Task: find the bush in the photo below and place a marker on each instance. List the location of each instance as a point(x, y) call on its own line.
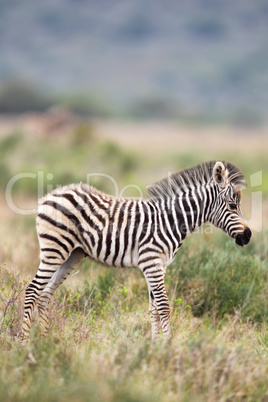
point(222, 281)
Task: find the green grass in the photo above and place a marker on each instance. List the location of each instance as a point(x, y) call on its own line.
point(70, 157)
point(200, 368)
point(65, 160)
point(223, 280)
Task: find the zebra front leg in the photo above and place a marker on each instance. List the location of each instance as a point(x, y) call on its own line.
point(154, 274)
point(155, 318)
point(57, 279)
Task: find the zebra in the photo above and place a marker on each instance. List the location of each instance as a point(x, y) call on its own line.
point(78, 221)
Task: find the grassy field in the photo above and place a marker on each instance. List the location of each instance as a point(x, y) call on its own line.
point(99, 347)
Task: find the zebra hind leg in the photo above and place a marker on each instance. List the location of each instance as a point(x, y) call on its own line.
point(32, 294)
point(57, 279)
point(42, 287)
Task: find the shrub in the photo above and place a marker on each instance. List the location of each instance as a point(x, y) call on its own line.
point(222, 281)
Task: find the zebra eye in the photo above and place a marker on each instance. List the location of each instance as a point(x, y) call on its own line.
point(232, 206)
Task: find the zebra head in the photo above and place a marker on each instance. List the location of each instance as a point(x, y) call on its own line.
point(226, 212)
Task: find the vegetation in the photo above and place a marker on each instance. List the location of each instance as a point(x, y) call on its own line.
point(222, 280)
point(18, 96)
point(99, 346)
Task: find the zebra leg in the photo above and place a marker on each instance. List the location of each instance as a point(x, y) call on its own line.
point(57, 279)
point(32, 294)
point(159, 302)
point(155, 318)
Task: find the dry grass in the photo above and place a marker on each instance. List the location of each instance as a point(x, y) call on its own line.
point(103, 351)
point(110, 357)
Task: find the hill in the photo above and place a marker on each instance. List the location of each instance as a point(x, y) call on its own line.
point(175, 58)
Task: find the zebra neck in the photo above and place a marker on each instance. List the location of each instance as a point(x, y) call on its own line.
point(188, 210)
point(212, 192)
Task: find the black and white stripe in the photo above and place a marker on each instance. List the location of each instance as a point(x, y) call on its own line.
point(78, 221)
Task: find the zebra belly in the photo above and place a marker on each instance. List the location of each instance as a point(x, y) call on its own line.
point(113, 255)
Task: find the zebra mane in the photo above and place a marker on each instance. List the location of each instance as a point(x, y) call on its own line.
point(194, 177)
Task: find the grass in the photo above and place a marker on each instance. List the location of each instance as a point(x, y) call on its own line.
point(224, 280)
point(99, 346)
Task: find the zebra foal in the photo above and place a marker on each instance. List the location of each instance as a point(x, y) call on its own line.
point(79, 221)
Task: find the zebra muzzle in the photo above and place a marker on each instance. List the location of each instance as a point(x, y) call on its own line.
point(243, 238)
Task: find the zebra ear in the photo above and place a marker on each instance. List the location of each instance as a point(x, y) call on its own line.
point(220, 174)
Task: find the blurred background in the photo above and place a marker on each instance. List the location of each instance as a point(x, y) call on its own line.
point(129, 89)
point(198, 61)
